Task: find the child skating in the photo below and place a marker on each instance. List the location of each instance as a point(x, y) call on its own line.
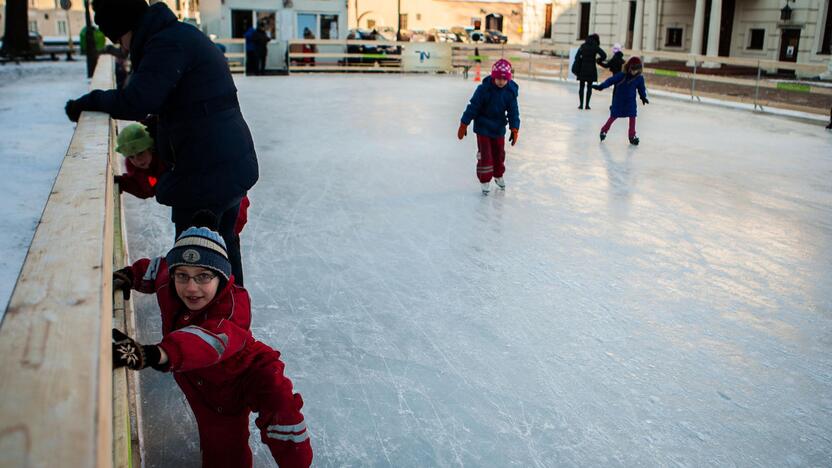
point(627, 84)
point(224, 372)
point(493, 105)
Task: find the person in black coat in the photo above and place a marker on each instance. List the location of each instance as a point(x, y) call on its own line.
point(584, 67)
point(616, 62)
point(179, 75)
point(261, 42)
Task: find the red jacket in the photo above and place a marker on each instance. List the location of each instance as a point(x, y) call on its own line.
point(216, 361)
point(142, 184)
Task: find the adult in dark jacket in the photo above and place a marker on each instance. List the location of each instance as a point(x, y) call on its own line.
point(584, 67)
point(261, 42)
point(616, 62)
point(251, 51)
point(182, 77)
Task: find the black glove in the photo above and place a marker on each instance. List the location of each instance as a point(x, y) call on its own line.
point(123, 279)
point(597, 87)
point(73, 110)
point(127, 352)
point(645, 101)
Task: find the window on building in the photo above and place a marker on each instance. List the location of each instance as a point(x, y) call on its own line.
point(371, 24)
point(403, 21)
point(329, 26)
point(583, 32)
point(418, 17)
point(33, 26)
point(61, 27)
point(826, 45)
point(756, 39)
point(307, 22)
point(547, 33)
point(674, 37)
point(476, 23)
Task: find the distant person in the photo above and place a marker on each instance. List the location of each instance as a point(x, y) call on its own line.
point(261, 47)
point(207, 345)
point(627, 84)
point(179, 75)
point(616, 62)
point(251, 51)
point(308, 48)
point(585, 67)
point(493, 105)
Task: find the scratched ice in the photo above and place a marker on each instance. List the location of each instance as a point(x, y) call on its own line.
point(616, 306)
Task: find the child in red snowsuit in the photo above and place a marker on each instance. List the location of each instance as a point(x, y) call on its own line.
point(207, 344)
point(493, 105)
point(143, 168)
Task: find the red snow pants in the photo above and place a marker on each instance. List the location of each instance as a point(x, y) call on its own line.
point(631, 131)
point(491, 157)
point(223, 430)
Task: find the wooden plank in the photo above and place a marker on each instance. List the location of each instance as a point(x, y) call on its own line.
point(340, 55)
point(230, 40)
point(55, 364)
point(350, 69)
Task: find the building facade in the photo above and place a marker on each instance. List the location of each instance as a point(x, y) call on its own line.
point(519, 20)
point(786, 30)
point(284, 19)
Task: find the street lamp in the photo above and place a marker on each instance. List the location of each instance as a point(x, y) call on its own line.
point(786, 12)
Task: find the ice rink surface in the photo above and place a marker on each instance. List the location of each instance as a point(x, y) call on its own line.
point(660, 305)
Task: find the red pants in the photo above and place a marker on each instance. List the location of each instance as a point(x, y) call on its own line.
point(632, 131)
point(491, 157)
point(223, 430)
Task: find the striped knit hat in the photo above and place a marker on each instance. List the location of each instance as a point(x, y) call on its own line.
point(200, 247)
point(501, 69)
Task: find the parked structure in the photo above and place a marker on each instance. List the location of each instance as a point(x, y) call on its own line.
point(286, 19)
point(786, 30)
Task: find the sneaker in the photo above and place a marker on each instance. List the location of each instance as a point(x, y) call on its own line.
point(603, 136)
point(500, 183)
point(486, 187)
point(634, 141)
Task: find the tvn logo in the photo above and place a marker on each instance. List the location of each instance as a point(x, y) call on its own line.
point(422, 55)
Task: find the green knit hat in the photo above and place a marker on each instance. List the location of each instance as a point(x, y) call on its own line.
point(133, 140)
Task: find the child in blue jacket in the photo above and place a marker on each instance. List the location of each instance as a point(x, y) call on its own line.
point(493, 105)
point(627, 83)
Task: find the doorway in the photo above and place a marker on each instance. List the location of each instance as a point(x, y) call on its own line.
point(547, 33)
point(789, 42)
point(726, 27)
point(241, 21)
point(583, 27)
point(631, 25)
point(494, 21)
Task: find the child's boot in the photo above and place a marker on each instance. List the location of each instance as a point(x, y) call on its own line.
point(634, 140)
point(500, 183)
point(486, 187)
point(603, 136)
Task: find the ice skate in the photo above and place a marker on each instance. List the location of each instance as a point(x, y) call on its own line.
point(486, 187)
point(500, 183)
point(603, 136)
point(634, 141)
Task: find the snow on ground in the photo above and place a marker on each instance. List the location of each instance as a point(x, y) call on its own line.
point(35, 135)
point(665, 305)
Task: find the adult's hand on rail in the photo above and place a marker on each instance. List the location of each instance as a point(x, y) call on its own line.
point(73, 110)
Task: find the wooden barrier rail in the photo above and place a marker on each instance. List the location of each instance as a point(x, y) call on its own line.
point(56, 377)
point(236, 60)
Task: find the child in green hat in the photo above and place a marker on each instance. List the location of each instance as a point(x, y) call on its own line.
point(143, 168)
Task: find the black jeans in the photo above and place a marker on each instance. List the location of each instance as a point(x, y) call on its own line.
point(227, 216)
point(588, 85)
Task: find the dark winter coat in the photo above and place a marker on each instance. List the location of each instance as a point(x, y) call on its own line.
point(491, 108)
point(615, 63)
point(261, 42)
point(585, 61)
point(624, 95)
point(180, 75)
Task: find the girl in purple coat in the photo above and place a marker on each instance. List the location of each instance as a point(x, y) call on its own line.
point(627, 84)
